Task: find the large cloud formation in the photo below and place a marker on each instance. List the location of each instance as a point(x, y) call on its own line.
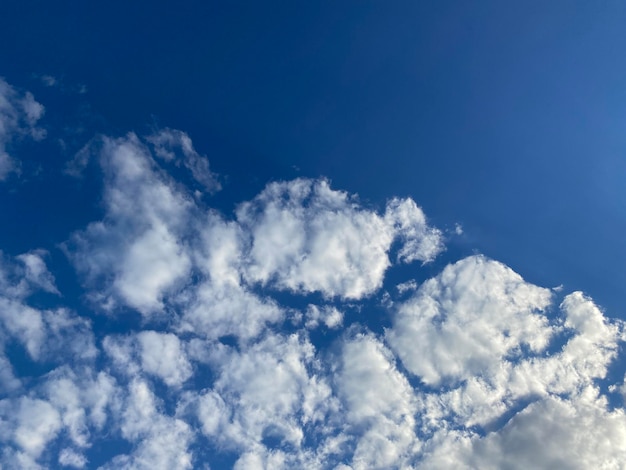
point(226, 369)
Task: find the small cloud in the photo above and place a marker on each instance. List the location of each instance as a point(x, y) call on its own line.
point(19, 114)
point(407, 286)
point(70, 458)
point(328, 315)
point(49, 80)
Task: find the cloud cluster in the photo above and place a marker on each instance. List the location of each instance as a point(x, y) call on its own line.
point(19, 113)
point(245, 356)
point(301, 236)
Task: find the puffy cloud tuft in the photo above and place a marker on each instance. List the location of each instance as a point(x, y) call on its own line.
point(307, 237)
point(158, 354)
point(467, 320)
point(136, 251)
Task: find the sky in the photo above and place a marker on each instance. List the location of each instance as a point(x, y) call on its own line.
point(347, 235)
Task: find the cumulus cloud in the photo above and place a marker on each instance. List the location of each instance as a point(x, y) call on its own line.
point(240, 348)
point(157, 354)
point(19, 113)
point(70, 458)
point(473, 356)
point(37, 422)
point(577, 433)
point(498, 389)
point(45, 334)
point(269, 394)
point(379, 403)
point(328, 315)
point(220, 304)
point(467, 320)
point(136, 251)
point(161, 441)
point(307, 237)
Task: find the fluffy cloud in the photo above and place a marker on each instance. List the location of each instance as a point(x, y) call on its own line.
point(44, 333)
point(307, 237)
point(467, 320)
point(269, 394)
point(220, 304)
point(157, 354)
point(497, 388)
point(153, 238)
point(160, 441)
point(379, 403)
point(577, 433)
point(136, 251)
point(68, 406)
point(71, 458)
point(477, 369)
point(329, 315)
point(19, 113)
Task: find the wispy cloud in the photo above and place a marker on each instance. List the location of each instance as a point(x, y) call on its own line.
point(19, 114)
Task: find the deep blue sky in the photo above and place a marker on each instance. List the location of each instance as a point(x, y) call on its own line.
point(250, 324)
point(505, 117)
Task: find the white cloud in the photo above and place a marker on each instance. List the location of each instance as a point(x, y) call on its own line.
point(472, 329)
point(307, 237)
point(379, 404)
point(219, 305)
point(47, 335)
point(136, 251)
point(44, 334)
point(70, 458)
point(484, 399)
point(419, 241)
point(67, 407)
point(221, 310)
point(8, 381)
point(23, 323)
point(19, 114)
point(158, 354)
point(326, 314)
point(161, 441)
point(151, 241)
point(267, 398)
point(37, 273)
point(167, 142)
point(36, 422)
point(408, 286)
point(25, 274)
point(577, 433)
point(497, 375)
point(83, 399)
point(163, 356)
point(269, 389)
point(467, 320)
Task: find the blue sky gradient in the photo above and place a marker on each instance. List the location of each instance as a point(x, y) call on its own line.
point(319, 190)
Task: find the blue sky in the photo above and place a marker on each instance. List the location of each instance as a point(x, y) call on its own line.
point(358, 235)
